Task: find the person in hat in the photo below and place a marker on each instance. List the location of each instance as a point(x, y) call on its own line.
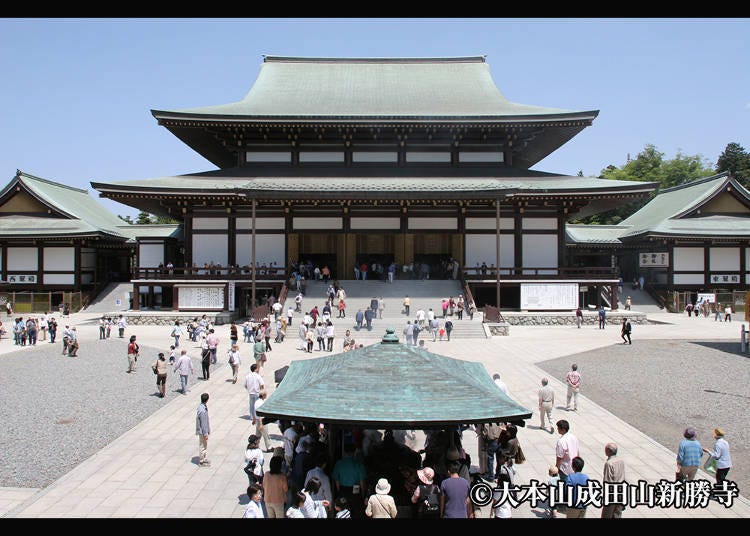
point(721, 454)
point(380, 504)
point(426, 495)
point(254, 460)
point(689, 454)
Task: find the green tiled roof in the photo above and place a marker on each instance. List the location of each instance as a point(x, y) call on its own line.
point(672, 202)
point(593, 234)
point(663, 216)
point(221, 181)
point(87, 216)
point(30, 226)
point(376, 88)
point(154, 230)
point(390, 385)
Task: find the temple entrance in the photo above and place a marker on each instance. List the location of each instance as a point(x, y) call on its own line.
point(317, 250)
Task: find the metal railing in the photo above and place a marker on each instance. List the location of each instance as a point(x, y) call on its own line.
point(491, 314)
point(527, 272)
point(276, 273)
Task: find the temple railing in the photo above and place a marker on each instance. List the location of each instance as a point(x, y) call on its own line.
point(526, 272)
point(276, 273)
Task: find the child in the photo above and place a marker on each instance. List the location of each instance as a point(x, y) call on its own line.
point(171, 355)
point(554, 478)
point(342, 508)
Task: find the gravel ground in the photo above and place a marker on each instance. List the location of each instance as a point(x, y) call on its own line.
point(663, 386)
point(58, 410)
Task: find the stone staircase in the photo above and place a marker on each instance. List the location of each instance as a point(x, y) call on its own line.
point(423, 294)
point(106, 301)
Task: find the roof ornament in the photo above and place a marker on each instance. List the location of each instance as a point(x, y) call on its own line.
point(390, 336)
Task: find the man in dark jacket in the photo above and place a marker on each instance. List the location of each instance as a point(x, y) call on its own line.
point(369, 315)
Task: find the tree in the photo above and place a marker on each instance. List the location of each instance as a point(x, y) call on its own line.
point(126, 219)
point(143, 218)
point(736, 160)
point(649, 166)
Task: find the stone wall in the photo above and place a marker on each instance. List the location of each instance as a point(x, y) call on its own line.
point(614, 318)
point(501, 329)
point(167, 318)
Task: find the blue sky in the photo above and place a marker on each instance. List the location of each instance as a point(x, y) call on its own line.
point(77, 93)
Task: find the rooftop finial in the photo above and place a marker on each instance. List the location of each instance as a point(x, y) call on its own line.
point(390, 336)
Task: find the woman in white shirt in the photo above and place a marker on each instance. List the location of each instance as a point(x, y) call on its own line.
point(254, 507)
point(234, 361)
point(253, 452)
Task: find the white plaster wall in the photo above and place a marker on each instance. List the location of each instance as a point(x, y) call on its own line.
point(318, 156)
point(317, 223)
point(539, 251)
point(724, 259)
point(210, 223)
point(23, 258)
point(433, 223)
point(483, 248)
point(427, 156)
point(208, 248)
point(687, 259)
point(540, 223)
point(58, 279)
point(375, 223)
point(58, 259)
point(150, 255)
point(487, 156)
point(489, 223)
point(380, 156)
point(688, 279)
point(268, 156)
point(260, 223)
point(268, 248)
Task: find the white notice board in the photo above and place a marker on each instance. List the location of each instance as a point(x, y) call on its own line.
point(549, 296)
point(203, 298)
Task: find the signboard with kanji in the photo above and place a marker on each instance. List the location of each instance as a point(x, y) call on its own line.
point(655, 260)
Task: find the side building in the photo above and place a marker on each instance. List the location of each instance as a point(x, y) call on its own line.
point(58, 244)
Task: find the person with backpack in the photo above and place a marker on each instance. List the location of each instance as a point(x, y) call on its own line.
point(625, 331)
point(426, 497)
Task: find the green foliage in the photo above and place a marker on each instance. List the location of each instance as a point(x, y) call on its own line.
point(126, 219)
point(736, 160)
point(649, 166)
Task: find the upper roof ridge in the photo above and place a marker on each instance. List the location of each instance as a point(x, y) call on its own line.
point(431, 59)
point(20, 173)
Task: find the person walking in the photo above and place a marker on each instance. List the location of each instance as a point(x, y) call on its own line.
point(369, 315)
point(602, 317)
point(185, 367)
point(103, 328)
point(565, 450)
point(381, 307)
point(407, 305)
point(160, 369)
point(254, 384)
point(546, 397)
point(176, 333)
point(728, 313)
point(689, 455)
point(625, 331)
point(73, 343)
point(628, 303)
point(330, 334)
point(31, 331)
point(212, 339)
point(720, 453)
point(573, 380)
point(202, 430)
point(254, 460)
point(579, 317)
point(260, 429)
point(259, 353)
point(52, 328)
point(133, 351)
point(205, 359)
point(448, 328)
point(359, 318)
point(614, 472)
point(233, 356)
point(408, 334)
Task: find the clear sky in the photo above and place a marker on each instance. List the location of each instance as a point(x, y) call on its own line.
point(76, 94)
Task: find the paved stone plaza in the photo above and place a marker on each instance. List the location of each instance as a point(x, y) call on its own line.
point(145, 466)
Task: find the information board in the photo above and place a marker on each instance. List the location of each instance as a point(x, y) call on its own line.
point(203, 298)
point(549, 296)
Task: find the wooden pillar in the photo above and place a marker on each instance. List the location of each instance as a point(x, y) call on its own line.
point(232, 239)
point(613, 288)
point(136, 297)
point(252, 258)
point(188, 241)
point(518, 238)
point(151, 298)
point(497, 252)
